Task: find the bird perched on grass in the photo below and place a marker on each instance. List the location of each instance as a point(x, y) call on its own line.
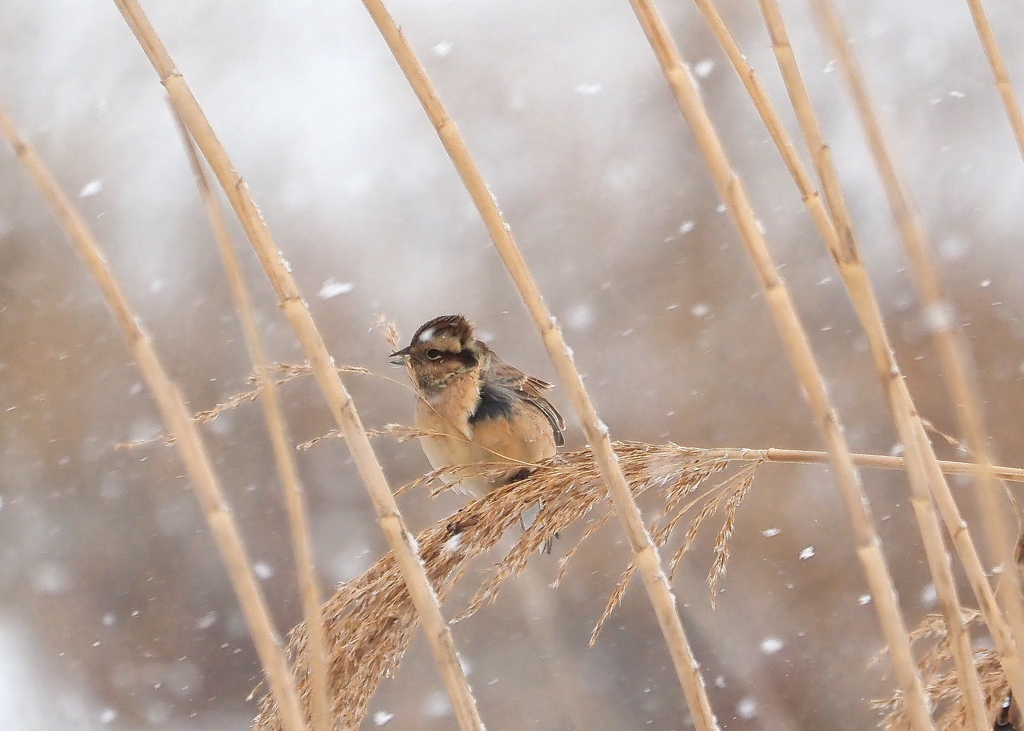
point(474, 407)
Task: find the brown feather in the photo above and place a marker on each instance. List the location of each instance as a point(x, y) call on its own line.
point(532, 390)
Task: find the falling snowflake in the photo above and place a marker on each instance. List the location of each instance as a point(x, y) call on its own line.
point(382, 717)
point(107, 715)
point(91, 188)
point(333, 288)
point(747, 708)
point(703, 68)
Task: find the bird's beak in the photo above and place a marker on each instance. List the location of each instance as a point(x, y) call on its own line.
point(399, 356)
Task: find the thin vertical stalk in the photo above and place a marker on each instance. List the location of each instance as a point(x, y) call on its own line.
point(954, 352)
point(284, 453)
point(845, 257)
point(645, 552)
point(842, 243)
point(1002, 76)
point(342, 407)
point(797, 346)
point(174, 412)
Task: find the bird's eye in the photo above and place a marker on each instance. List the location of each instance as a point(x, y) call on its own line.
point(434, 354)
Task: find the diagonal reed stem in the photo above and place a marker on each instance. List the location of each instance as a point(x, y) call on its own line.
point(956, 362)
point(284, 454)
point(797, 346)
point(342, 407)
point(645, 552)
point(843, 245)
point(174, 412)
point(847, 256)
point(1002, 76)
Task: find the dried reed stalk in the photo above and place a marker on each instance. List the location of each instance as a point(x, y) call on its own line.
point(645, 552)
point(957, 366)
point(1002, 76)
point(842, 243)
point(847, 255)
point(174, 412)
point(369, 622)
point(795, 340)
point(341, 404)
point(284, 453)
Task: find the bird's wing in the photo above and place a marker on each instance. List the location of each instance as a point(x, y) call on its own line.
point(531, 390)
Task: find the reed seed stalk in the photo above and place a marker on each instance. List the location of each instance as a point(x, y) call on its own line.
point(957, 366)
point(842, 243)
point(847, 256)
point(284, 453)
point(342, 407)
point(1002, 76)
point(645, 552)
point(797, 346)
point(174, 412)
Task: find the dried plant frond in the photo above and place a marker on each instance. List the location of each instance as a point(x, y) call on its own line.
point(204, 417)
point(934, 625)
point(451, 477)
point(723, 492)
point(710, 508)
point(594, 526)
point(291, 371)
point(370, 621)
point(945, 691)
point(940, 678)
point(613, 601)
point(294, 370)
point(721, 548)
point(400, 432)
point(672, 513)
point(304, 446)
point(388, 328)
point(650, 468)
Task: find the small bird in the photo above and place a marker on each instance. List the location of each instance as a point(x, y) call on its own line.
point(476, 407)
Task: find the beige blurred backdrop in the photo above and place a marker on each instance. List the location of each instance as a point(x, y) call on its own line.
point(115, 612)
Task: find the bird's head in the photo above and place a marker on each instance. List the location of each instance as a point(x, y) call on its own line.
point(440, 350)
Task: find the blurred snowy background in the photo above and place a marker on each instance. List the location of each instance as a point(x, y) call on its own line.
point(115, 612)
